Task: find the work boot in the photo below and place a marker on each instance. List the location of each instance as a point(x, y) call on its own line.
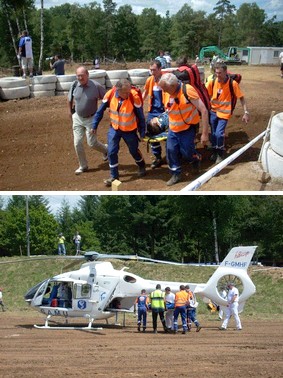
point(139, 328)
point(214, 156)
point(144, 328)
point(142, 171)
point(108, 182)
point(173, 180)
point(156, 163)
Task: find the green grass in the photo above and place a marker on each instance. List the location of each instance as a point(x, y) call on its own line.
point(17, 278)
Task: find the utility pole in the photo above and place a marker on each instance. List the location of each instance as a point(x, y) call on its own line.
point(27, 227)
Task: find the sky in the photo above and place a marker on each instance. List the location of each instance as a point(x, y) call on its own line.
point(271, 7)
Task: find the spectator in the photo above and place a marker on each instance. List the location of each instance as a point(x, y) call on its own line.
point(170, 305)
point(155, 106)
point(58, 65)
point(168, 59)
point(1, 300)
point(84, 94)
point(96, 63)
point(142, 304)
point(162, 59)
point(197, 61)
point(181, 299)
point(232, 307)
point(25, 54)
point(126, 115)
point(61, 245)
point(77, 241)
point(191, 310)
point(183, 121)
point(221, 108)
point(157, 304)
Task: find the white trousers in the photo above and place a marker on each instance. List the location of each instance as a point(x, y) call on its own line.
point(83, 126)
point(169, 317)
point(232, 310)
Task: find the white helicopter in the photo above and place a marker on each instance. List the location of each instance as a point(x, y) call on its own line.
point(97, 291)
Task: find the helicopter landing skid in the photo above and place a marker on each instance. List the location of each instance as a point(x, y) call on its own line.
point(88, 328)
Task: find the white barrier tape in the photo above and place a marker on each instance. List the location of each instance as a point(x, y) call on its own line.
point(194, 185)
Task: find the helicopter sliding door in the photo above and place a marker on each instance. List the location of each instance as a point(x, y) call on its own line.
point(81, 296)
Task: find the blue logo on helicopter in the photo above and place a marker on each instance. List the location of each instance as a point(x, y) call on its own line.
point(81, 304)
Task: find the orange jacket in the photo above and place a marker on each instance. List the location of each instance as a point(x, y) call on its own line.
point(181, 298)
point(221, 99)
point(182, 114)
point(122, 115)
point(149, 84)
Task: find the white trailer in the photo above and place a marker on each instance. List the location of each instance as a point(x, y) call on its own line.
point(264, 55)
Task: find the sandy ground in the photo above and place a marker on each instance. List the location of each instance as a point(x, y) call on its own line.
point(119, 352)
point(37, 152)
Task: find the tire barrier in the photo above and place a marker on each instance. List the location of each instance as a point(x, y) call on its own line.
point(43, 86)
point(112, 77)
point(276, 134)
point(138, 76)
point(99, 76)
point(13, 87)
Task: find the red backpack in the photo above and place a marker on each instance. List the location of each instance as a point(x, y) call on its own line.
point(190, 75)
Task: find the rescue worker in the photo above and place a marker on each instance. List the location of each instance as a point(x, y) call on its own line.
point(191, 310)
point(232, 307)
point(155, 105)
point(157, 305)
point(181, 300)
point(142, 305)
point(126, 117)
point(183, 121)
point(221, 108)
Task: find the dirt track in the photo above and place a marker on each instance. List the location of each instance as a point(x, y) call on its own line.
point(37, 152)
point(118, 352)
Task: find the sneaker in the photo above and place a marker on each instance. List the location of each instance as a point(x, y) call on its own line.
point(108, 182)
point(198, 328)
point(219, 159)
point(156, 163)
point(213, 157)
point(222, 329)
point(81, 170)
point(239, 329)
point(105, 156)
point(173, 180)
point(142, 171)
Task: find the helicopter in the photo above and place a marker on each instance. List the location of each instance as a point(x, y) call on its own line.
point(97, 291)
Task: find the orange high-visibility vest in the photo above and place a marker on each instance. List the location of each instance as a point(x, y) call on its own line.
point(182, 114)
point(122, 114)
point(221, 98)
point(149, 84)
point(181, 298)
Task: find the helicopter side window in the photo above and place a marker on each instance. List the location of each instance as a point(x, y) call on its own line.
point(82, 291)
point(129, 279)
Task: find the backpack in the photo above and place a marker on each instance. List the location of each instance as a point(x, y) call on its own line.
point(190, 75)
point(232, 77)
point(131, 97)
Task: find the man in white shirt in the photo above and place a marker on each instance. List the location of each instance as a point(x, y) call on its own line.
point(25, 53)
point(170, 304)
point(232, 307)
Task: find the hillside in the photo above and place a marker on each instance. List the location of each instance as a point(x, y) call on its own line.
point(18, 277)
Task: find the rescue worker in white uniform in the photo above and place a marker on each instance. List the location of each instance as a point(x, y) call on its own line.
point(232, 307)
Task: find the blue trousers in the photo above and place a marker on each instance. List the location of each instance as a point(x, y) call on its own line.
point(142, 315)
point(218, 126)
point(191, 317)
point(132, 141)
point(180, 310)
point(180, 145)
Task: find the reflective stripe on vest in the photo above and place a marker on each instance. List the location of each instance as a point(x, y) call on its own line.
point(124, 118)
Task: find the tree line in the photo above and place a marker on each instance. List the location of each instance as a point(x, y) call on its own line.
point(177, 228)
point(80, 33)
